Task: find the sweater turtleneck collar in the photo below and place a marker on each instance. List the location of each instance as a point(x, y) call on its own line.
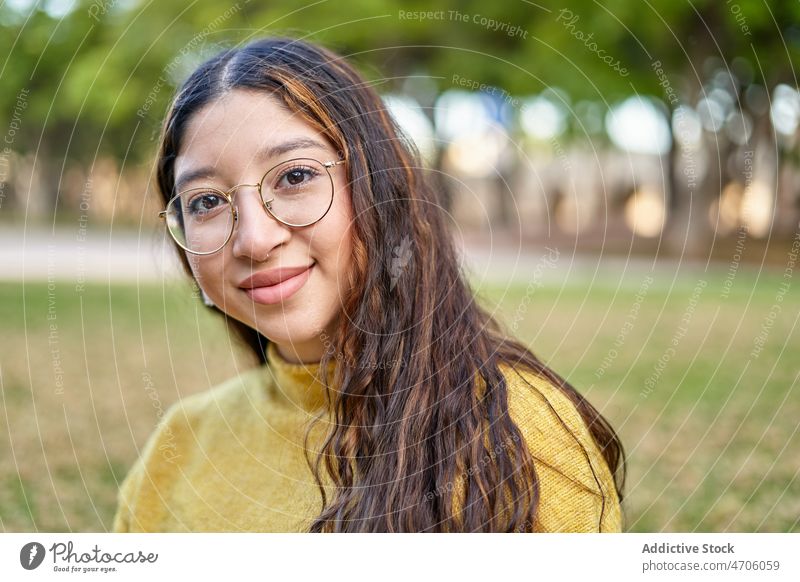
point(301, 384)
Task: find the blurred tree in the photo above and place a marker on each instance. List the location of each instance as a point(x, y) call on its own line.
point(99, 74)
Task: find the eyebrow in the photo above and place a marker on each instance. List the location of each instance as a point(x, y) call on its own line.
point(263, 154)
point(288, 146)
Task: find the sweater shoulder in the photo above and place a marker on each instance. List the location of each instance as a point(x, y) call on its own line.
point(249, 387)
point(576, 485)
point(187, 421)
point(186, 427)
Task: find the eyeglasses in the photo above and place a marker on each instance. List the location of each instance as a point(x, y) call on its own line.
point(296, 192)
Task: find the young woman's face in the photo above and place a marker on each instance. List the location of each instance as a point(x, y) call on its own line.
point(299, 314)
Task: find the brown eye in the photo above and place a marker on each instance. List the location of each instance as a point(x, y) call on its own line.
point(296, 178)
point(205, 203)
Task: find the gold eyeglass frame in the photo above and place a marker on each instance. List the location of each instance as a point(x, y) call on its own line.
point(228, 195)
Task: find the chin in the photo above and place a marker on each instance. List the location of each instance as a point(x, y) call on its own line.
point(289, 330)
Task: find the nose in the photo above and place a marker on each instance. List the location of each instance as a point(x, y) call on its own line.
point(256, 232)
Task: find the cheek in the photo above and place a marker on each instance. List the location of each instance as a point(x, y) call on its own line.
point(341, 244)
point(332, 246)
point(207, 272)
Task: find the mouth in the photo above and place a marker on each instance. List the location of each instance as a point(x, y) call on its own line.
point(279, 292)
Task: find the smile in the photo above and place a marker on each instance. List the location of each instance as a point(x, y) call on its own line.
point(272, 294)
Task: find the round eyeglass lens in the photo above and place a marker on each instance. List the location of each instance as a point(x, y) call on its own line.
point(200, 220)
point(298, 192)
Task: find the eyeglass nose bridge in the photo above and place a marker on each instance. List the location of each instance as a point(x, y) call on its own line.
point(231, 191)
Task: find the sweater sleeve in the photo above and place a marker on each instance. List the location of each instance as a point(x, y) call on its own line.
point(576, 487)
point(127, 490)
point(142, 499)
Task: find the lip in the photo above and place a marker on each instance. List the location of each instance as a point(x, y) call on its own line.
point(276, 285)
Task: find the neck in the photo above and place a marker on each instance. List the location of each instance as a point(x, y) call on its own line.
point(312, 350)
point(301, 353)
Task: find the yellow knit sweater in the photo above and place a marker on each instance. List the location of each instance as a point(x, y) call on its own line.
point(231, 458)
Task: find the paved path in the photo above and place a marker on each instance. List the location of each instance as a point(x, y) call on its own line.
point(36, 254)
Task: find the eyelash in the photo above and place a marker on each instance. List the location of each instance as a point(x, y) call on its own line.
point(311, 172)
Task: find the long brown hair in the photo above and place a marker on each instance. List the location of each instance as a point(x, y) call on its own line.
point(420, 397)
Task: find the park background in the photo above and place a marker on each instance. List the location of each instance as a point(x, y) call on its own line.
point(622, 178)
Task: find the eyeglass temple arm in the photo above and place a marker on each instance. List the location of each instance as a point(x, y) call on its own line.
point(330, 164)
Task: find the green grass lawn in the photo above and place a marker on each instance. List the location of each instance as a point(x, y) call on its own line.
point(711, 432)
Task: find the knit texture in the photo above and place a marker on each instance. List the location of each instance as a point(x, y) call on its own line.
point(232, 458)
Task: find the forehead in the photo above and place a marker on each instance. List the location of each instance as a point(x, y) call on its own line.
point(233, 128)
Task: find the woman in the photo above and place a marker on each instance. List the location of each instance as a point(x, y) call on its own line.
point(387, 400)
